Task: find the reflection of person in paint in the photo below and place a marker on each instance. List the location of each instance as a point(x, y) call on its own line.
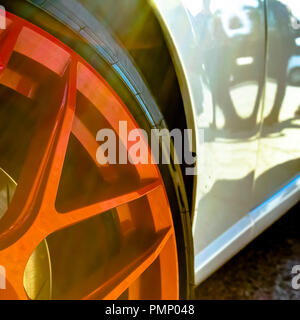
point(235, 32)
point(282, 46)
point(204, 27)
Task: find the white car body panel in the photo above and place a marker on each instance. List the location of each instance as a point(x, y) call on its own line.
point(220, 232)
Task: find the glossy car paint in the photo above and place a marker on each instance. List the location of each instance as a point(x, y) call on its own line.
point(238, 66)
point(279, 150)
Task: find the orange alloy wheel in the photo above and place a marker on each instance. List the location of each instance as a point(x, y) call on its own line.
point(71, 228)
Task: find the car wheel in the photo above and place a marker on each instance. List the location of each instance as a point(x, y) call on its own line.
point(72, 228)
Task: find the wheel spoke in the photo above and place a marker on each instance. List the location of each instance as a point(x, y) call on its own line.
point(9, 42)
point(115, 113)
point(121, 272)
point(56, 162)
point(14, 260)
point(18, 82)
point(88, 141)
point(64, 220)
point(41, 172)
point(118, 283)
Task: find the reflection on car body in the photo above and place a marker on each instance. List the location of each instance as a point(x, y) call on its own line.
point(242, 69)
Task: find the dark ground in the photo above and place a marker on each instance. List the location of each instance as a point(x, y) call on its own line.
point(263, 269)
